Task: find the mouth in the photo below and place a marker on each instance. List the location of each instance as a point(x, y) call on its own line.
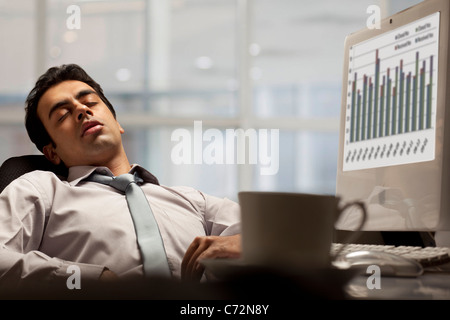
point(90, 127)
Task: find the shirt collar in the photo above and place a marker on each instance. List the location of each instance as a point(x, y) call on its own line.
point(78, 173)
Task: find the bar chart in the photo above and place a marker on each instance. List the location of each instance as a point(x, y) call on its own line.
point(391, 97)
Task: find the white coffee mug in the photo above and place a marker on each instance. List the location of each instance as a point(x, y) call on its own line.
point(290, 229)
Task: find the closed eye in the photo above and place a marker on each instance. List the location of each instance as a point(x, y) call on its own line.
point(91, 104)
point(65, 114)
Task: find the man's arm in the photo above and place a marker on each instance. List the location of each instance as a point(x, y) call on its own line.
point(223, 240)
point(22, 224)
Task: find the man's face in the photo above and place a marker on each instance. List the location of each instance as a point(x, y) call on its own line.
point(82, 127)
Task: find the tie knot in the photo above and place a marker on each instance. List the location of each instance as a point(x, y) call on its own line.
point(121, 182)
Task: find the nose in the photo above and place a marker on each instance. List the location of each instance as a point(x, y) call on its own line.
point(83, 111)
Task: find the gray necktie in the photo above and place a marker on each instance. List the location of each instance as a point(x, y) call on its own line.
point(147, 231)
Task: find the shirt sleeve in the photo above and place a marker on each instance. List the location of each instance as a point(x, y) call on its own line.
point(222, 216)
point(23, 210)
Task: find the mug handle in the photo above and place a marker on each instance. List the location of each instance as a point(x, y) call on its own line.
point(357, 232)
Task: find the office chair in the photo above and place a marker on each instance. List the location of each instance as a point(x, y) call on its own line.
point(14, 167)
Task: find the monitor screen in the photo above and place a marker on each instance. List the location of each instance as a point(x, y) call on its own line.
point(393, 151)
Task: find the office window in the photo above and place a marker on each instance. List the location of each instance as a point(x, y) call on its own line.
point(174, 65)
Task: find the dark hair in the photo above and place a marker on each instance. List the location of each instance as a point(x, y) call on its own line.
point(53, 76)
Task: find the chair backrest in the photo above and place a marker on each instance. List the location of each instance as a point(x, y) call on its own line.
point(14, 167)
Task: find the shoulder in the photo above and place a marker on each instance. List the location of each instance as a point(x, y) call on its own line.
point(43, 181)
point(36, 188)
point(185, 191)
point(200, 199)
point(41, 175)
point(188, 194)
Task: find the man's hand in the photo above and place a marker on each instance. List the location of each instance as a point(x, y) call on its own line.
point(208, 247)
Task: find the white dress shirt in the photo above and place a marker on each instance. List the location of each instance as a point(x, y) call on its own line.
point(48, 224)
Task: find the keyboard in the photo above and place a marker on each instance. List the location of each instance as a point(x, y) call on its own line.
point(426, 256)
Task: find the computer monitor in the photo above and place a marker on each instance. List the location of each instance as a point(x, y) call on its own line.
point(394, 129)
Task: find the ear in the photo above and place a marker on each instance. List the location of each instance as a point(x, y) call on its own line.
point(51, 155)
point(121, 130)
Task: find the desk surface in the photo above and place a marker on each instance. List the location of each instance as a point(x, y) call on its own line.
point(260, 284)
point(429, 286)
point(433, 284)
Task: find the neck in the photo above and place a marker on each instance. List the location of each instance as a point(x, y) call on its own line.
point(119, 165)
point(116, 161)
point(120, 168)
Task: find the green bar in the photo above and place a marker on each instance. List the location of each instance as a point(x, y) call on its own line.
point(388, 105)
point(422, 97)
point(428, 116)
point(429, 97)
point(381, 108)
point(401, 95)
point(353, 112)
point(394, 103)
point(414, 106)
point(407, 105)
point(358, 117)
point(369, 121)
point(415, 88)
point(363, 118)
point(375, 108)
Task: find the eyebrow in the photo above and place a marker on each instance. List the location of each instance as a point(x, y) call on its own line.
point(62, 103)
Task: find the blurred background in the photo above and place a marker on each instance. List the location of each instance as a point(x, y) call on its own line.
point(163, 64)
